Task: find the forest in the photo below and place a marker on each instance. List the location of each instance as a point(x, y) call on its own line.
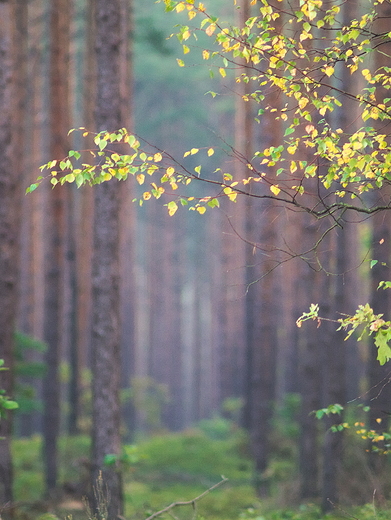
point(195, 239)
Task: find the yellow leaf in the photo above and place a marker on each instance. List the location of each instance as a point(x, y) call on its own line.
point(323, 110)
point(172, 207)
point(210, 152)
point(210, 29)
point(193, 151)
point(329, 70)
point(181, 63)
point(157, 157)
point(230, 193)
point(140, 178)
point(222, 72)
point(201, 210)
point(293, 168)
point(185, 49)
point(205, 55)
point(180, 7)
point(170, 170)
point(275, 189)
point(146, 195)
point(303, 102)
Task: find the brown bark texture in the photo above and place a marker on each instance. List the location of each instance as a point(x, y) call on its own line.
point(10, 200)
point(105, 267)
point(55, 237)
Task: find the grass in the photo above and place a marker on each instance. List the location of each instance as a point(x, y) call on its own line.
point(168, 468)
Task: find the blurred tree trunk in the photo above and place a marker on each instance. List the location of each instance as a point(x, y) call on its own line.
point(55, 236)
point(106, 358)
point(128, 218)
point(231, 347)
point(309, 363)
point(337, 262)
point(333, 352)
point(31, 293)
point(19, 162)
point(379, 377)
point(261, 301)
point(11, 122)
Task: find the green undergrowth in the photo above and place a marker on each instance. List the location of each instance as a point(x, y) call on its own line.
point(172, 467)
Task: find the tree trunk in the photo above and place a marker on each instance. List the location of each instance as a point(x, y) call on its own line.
point(106, 359)
point(55, 234)
point(379, 376)
point(9, 238)
point(332, 348)
point(309, 366)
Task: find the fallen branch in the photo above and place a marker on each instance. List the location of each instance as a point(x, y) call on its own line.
point(187, 502)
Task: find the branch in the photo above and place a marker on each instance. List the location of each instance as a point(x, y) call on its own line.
point(188, 502)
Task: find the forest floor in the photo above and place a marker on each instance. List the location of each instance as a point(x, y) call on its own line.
point(166, 468)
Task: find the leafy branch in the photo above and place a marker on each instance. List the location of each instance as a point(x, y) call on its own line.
point(363, 322)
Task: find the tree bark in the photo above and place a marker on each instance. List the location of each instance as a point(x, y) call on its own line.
point(10, 200)
point(55, 236)
point(106, 359)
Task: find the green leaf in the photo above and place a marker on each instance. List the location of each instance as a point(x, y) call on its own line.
point(102, 144)
point(75, 154)
point(79, 180)
point(381, 341)
point(9, 405)
point(31, 188)
point(110, 459)
point(214, 203)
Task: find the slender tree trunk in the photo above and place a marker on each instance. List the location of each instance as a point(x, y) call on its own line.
point(261, 308)
point(332, 349)
point(309, 367)
point(106, 357)
point(380, 376)
point(55, 233)
point(9, 234)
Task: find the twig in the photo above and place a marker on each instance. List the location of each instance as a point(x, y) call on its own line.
point(188, 502)
point(348, 515)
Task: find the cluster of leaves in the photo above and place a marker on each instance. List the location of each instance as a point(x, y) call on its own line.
point(379, 441)
point(5, 402)
point(141, 163)
point(363, 322)
point(278, 48)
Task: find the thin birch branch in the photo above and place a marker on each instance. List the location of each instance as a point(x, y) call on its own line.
point(188, 502)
